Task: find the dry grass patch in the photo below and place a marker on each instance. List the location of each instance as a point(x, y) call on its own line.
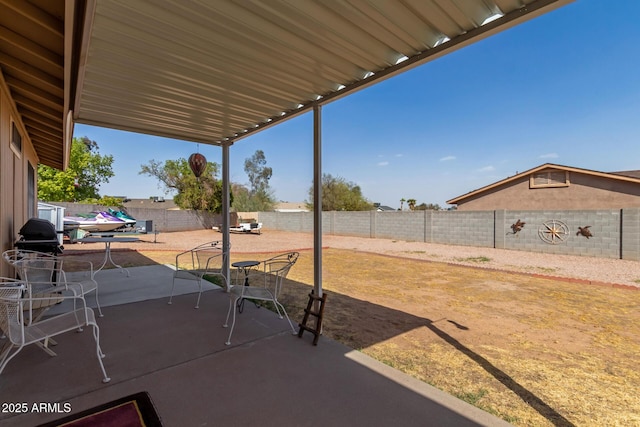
point(532, 351)
point(477, 259)
point(535, 352)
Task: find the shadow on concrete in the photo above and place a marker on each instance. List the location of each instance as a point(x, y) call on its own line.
point(267, 377)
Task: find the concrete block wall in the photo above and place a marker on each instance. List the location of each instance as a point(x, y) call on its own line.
point(472, 228)
point(289, 221)
point(399, 225)
point(604, 227)
point(631, 235)
point(615, 233)
point(499, 224)
point(167, 221)
point(350, 223)
point(163, 220)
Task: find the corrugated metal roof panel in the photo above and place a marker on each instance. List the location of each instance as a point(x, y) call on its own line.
point(206, 71)
point(213, 70)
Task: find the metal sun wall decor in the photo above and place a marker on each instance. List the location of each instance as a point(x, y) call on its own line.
point(197, 163)
point(553, 232)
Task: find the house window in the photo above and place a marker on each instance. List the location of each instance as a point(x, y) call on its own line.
point(549, 178)
point(16, 139)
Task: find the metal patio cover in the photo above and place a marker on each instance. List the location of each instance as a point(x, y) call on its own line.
point(209, 70)
point(218, 70)
point(215, 71)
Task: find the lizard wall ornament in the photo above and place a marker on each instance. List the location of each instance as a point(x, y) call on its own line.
point(517, 226)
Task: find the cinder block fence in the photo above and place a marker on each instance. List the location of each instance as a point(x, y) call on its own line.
point(608, 233)
point(163, 220)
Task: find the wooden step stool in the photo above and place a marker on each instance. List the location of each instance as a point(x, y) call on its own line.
point(317, 314)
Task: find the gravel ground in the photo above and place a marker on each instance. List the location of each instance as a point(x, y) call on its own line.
point(589, 269)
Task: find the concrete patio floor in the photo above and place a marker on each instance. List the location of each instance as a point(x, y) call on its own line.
point(177, 354)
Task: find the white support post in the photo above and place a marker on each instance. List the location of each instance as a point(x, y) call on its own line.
point(317, 200)
point(226, 207)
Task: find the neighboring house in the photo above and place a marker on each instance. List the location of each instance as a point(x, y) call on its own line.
point(556, 187)
point(382, 208)
point(150, 203)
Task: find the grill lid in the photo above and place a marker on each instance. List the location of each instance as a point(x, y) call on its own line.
point(38, 229)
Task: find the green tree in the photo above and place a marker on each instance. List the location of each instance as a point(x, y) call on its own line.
point(116, 202)
point(427, 207)
point(258, 172)
point(259, 196)
point(81, 180)
point(241, 198)
point(411, 203)
point(200, 194)
point(339, 194)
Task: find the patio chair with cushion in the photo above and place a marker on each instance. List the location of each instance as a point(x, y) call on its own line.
point(201, 263)
point(15, 301)
point(263, 285)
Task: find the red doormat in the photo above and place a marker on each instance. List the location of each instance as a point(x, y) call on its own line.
point(136, 410)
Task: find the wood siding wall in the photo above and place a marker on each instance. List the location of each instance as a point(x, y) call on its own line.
point(13, 175)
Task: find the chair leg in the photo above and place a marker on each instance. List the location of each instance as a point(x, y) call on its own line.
point(6, 356)
point(99, 353)
point(79, 322)
point(199, 293)
point(173, 285)
point(275, 304)
point(98, 303)
point(45, 347)
point(4, 351)
point(75, 310)
point(287, 316)
point(232, 303)
point(226, 321)
point(96, 337)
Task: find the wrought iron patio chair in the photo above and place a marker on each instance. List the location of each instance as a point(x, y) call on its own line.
point(12, 256)
point(263, 285)
point(14, 302)
point(46, 275)
point(203, 262)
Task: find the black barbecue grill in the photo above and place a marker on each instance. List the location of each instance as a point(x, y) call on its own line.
point(39, 235)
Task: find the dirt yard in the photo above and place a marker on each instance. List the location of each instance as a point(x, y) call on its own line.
point(483, 325)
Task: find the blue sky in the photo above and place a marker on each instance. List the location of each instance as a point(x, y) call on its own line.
point(562, 88)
